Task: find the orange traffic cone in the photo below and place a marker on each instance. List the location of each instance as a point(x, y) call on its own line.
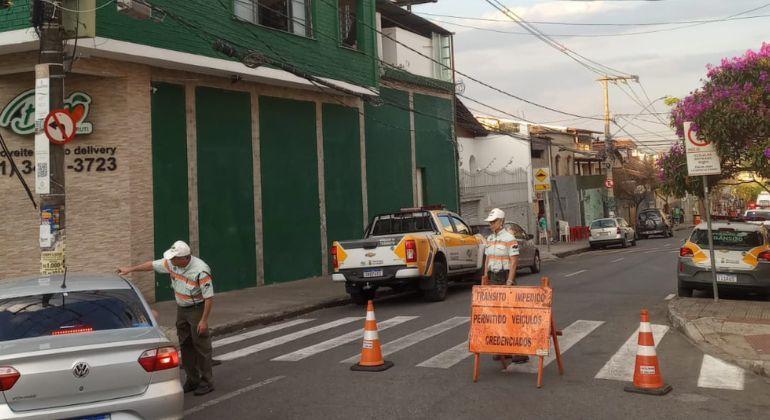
point(647, 376)
point(371, 354)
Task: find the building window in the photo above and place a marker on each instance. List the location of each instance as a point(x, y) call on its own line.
point(349, 23)
point(537, 154)
point(286, 15)
point(569, 165)
point(556, 162)
point(442, 54)
point(473, 166)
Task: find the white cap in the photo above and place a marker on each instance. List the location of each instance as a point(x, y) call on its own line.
point(179, 249)
point(494, 215)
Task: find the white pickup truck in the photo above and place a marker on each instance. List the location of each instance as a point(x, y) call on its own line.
point(414, 248)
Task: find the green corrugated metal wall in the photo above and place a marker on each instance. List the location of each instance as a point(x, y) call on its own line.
point(290, 207)
point(388, 153)
point(342, 173)
point(169, 174)
point(226, 187)
point(434, 149)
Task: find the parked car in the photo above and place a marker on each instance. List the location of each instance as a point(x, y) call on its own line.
point(529, 255)
point(653, 222)
point(757, 217)
point(611, 231)
point(742, 254)
point(87, 347)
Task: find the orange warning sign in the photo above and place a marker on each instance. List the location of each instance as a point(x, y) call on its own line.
point(514, 320)
point(511, 320)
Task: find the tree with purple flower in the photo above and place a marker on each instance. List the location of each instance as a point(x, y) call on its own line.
point(732, 110)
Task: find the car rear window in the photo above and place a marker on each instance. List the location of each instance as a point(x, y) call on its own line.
point(649, 215)
point(603, 223)
point(70, 312)
point(396, 224)
point(724, 238)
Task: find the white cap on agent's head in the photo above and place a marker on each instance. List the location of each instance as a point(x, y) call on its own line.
point(178, 249)
point(494, 215)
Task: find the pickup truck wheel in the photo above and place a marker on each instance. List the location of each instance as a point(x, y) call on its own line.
point(535, 267)
point(361, 296)
point(440, 283)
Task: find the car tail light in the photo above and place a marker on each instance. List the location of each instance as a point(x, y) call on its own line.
point(618, 231)
point(685, 252)
point(764, 257)
point(8, 377)
point(78, 329)
point(159, 359)
point(411, 251)
point(335, 261)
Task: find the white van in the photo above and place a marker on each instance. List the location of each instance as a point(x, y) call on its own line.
point(763, 200)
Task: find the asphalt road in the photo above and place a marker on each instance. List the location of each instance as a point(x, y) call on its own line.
point(597, 299)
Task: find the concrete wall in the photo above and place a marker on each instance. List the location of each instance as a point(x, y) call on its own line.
point(400, 56)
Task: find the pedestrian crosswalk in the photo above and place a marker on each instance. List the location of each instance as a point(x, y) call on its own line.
point(415, 331)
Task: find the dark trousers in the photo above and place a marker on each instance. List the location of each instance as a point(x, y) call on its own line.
point(498, 278)
point(196, 348)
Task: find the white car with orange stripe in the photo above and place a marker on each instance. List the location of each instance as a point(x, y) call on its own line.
point(741, 253)
point(420, 248)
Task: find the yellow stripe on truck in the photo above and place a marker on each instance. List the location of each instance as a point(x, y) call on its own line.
point(341, 254)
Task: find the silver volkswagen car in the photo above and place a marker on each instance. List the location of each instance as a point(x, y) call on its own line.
point(84, 348)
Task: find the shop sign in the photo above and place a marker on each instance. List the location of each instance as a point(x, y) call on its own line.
point(19, 114)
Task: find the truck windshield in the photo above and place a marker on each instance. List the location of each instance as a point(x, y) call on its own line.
point(401, 223)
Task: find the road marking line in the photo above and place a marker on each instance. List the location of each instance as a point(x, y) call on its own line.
point(669, 297)
point(619, 259)
point(575, 273)
point(338, 341)
point(256, 333)
point(286, 338)
point(715, 373)
point(230, 395)
point(575, 332)
point(416, 337)
point(620, 367)
point(448, 358)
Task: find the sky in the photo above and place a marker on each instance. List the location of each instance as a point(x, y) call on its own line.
point(671, 62)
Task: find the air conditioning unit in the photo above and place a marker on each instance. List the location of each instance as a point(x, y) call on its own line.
point(136, 9)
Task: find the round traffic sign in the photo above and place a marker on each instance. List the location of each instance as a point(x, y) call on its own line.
point(609, 183)
point(59, 126)
point(692, 136)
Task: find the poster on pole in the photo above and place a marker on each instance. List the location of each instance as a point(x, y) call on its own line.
point(42, 147)
point(702, 158)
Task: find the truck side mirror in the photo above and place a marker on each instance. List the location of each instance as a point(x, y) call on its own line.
point(530, 236)
point(474, 230)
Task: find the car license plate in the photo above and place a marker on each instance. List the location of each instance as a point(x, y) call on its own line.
point(96, 417)
point(727, 278)
point(372, 273)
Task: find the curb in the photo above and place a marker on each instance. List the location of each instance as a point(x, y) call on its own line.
point(691, 331)
point(572, 252)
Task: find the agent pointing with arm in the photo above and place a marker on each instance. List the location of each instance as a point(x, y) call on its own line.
point(193, 288)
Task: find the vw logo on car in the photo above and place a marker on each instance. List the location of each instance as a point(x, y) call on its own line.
point(81, 369)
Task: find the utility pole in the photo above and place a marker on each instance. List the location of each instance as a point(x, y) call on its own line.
point(609, 157)
point(49, 158)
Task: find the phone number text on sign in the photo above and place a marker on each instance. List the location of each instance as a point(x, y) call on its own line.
point(86, 159)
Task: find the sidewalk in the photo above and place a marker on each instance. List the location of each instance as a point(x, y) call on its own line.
point(244, 308)
point(734, 330)
point(561, 250)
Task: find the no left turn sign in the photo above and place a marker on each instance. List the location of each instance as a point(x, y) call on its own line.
point(59, 126)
